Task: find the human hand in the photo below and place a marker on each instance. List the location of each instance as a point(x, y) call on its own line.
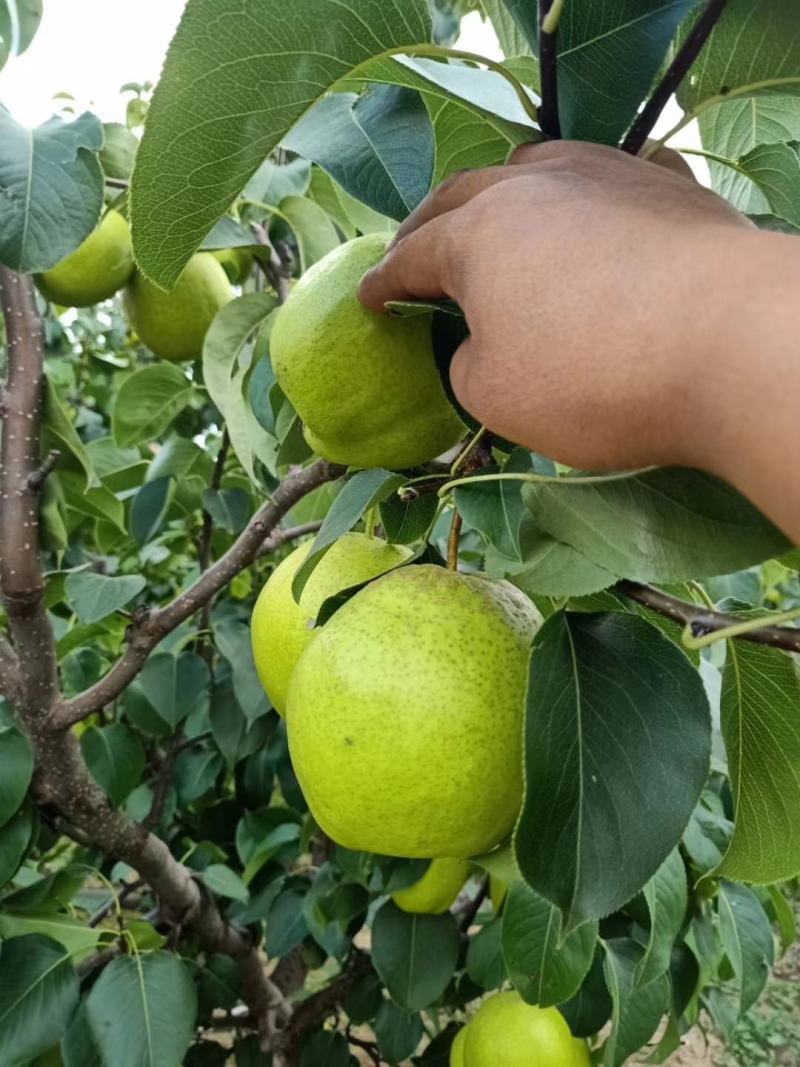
point(597, 288)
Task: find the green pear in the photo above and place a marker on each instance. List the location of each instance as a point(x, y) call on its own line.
point(281, 628)
point(365, 385)
point(236, 262)
point(505, 1030)
point(96, 270)
point(435, 892)
point(174, 325)
point(581, 1054)
point(457, 1048)
point(405, 714)
point(498, 890)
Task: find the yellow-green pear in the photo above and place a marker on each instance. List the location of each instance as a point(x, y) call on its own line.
point(365, 385)
point(498, 889)
point(174, 325)
point(236, 262)
point(281, 628)
point(436, 890)
point(506, 1031)
point(457, 1048)
point(96, 270)
point(582, 1056)
point(405, 714)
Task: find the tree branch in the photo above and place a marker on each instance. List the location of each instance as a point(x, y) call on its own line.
point(548, 71)
point(9, 670)
point(62, 778)
point(702, 620)
point(637, 135)
point(144, 635)
point(21, 581)
point(291, 533)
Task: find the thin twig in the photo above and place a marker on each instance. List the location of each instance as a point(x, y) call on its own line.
point(473, 906)
point(637, 135)
point(204, 553)
point(275, 270)
point(39, 476)
point(127, 891)
point(453, 541)
point(145, 634)
point(549, 120)
point(291, 533)
point(703, 621)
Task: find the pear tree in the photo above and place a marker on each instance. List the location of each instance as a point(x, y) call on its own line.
point(335, 729)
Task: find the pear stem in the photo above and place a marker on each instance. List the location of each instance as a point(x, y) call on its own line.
point(452, 543)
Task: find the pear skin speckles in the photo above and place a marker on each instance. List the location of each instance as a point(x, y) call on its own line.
point(405, 715)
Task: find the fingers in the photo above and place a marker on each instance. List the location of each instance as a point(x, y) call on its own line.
point(416, 268)
point(451, 194)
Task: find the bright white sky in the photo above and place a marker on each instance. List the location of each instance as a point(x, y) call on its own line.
point(89, 48)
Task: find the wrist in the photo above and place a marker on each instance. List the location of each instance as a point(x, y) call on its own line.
point(747, 393)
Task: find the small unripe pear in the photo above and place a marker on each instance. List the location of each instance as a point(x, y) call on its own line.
point(507, 1031)
point(435, 892)
point(457, 1048)
point(281, 628)
point(174, 325)
point(96, 270)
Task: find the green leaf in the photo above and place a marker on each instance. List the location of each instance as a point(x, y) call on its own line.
point(77, 1046)
point(15, 837)
point(735, 128)
point(551, 568)
point(174, 684)
point(97, 503)
point(406, 521)
point(77, 938)
point(148, 402)
point(485, 963)
point(286, 924)
point(227, 353)
point(496, 508)
point(545, 967)
point(149, 508)
point(232, 637)
point(314, 232)
point(52, 189)
point(761, 728)
point(195, 773)
point(464, 139)
point(514, 22)
point(59, 433)
point(415, 955)
point(667, 896)
point(775, 170)
point(599, 40)
point(328, 1047)
point(225, 882)
point(398, 1033)
point(119, 150)
point(747, 940)
point(637, 1012)
point(142, 1011)
point(590, 1009)
point(784, 917)
point(661, 525)
point(379, 147)
point(200, 147)
point(94, 596)
point(16, 770)
point(115, 758)
point(274, 181)
point(29, 15)
point(38, 994)
point(617, 750)
point(754, 48)
point(362, 492)
point(229, 508)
